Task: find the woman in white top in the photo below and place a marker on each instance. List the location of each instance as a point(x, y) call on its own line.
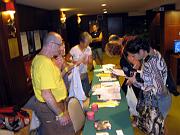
point(81, 55)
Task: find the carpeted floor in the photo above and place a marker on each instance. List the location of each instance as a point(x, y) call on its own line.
point(173, 119)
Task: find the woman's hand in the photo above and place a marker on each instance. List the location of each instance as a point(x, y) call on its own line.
point(137, 64)
point(77, 63)
point(131, 80)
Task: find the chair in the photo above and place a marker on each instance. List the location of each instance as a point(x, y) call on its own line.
point(76, 114)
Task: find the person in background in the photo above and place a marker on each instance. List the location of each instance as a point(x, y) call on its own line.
point(81, 55)
point(155, 103)
point(115, 38)
point(96, 44)
point(49, 88)
point(127, 62)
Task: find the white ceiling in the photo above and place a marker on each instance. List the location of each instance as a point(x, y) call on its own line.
point(94, 6)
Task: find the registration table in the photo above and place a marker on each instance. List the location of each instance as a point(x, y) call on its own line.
point(118, 116)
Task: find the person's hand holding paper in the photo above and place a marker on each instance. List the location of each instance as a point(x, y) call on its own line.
point(118, 72)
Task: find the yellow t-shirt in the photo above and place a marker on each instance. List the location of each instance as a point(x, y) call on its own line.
point(46, 75)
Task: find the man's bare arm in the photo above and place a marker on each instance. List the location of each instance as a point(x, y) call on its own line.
point(51, 102)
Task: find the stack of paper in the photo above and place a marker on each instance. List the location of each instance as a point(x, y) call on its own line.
point(102, 133)
point(107, 71)
point(119, 132)
point(107, 79)
point(96, 86)
point(108, 93)
point(107, 104)
point(110, 84)
point(109, 88)
point(103, 75)
point(108, 66)
point(98, 70)
point(118, 72)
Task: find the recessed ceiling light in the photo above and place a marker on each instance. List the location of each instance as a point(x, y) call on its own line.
point(103, 5)
point(105, 12)
point(104, 9)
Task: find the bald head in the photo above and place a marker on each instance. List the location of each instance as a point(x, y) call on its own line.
point(52, 37)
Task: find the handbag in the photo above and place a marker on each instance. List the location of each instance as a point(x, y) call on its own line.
point(13, 118)
point(132, 101)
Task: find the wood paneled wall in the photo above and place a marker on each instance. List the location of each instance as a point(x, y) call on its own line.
point(13, 84)
point(31, 18)
point(171, 30)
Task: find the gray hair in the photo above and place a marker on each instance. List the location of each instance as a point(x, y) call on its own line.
point(85, 35)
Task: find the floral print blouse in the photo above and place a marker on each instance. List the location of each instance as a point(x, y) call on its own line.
point(154, 73)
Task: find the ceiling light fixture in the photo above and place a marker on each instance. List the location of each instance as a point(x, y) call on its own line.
point(62, 17)
point(6, 1)
point(78, 19)
point(67, 9)
point(103, 5)
point(104, 9)
point(105, 12)
point(9, 9)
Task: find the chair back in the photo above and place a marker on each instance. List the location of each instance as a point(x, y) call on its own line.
point(76, 114)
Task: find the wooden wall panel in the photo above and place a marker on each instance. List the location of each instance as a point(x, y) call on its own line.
point(155, 31)
point(31, 18)
point(172, 18)
point(13, 84)
point(13, 72)
point(171, 31)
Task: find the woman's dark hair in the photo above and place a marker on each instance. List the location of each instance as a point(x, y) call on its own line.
point(135, 45)
point(125, 53)
point(113, 49)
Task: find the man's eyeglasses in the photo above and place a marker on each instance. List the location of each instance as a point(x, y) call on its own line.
point(59, 43)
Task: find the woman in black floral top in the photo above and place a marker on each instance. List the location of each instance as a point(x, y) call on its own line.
point(155, 100)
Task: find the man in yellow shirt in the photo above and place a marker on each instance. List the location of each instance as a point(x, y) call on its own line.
point(49, 88)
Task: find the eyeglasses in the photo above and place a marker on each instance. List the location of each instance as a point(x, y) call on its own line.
point(59, 43)
point(56, 43)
